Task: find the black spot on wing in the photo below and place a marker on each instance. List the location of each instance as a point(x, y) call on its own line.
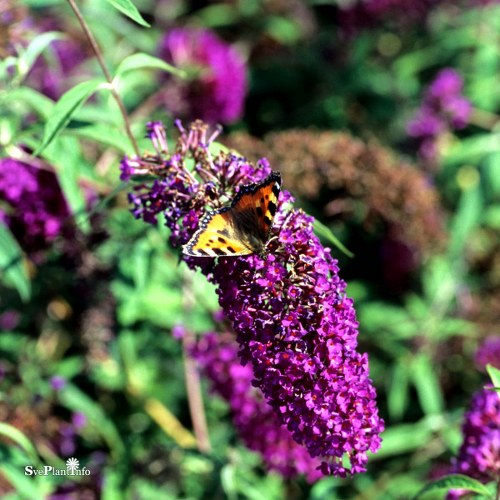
point(231, 250)
point(267, 220)
point(218, 251)
point(276, 189)
point(272, 208)
point(260, 212)
point(221, 240)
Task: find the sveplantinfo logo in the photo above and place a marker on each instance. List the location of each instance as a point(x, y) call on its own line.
point(72, 469)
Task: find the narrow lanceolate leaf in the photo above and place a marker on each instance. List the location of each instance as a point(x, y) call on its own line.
point(15, 435)
point(145, 61)
point(454, 482)
point(130, 10)
point(65, 108)
point(494, 374)
point(32, 99)
point(104, 134)
point(34, 49)
point(323, 232)
point(13, 271)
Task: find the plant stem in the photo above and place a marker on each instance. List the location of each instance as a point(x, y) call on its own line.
point(107, 74)
point(193, 385)
point(497, 497)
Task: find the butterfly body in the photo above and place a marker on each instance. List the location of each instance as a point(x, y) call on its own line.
point(242, 228)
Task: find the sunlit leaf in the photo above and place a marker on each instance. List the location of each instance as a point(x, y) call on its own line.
point(145, 61)
point(454, 482)
point(65, 108)
point(494, 374)
point(15, 435)
point(12, 266)
point(426, 381)
point(130, 10)
point(325, 233)
point(33, 99)
point(34, 49)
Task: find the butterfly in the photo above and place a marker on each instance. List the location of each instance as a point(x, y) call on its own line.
point(242, 228)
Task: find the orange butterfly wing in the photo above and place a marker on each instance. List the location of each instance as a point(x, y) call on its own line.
point(241, 229)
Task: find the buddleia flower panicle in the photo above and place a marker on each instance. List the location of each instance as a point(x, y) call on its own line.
point(215, 84)
point(295, 326)
point(217, 356)
point(33, 207)
point(479, 454)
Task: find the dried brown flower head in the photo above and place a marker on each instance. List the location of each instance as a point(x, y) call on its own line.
point(341, 175)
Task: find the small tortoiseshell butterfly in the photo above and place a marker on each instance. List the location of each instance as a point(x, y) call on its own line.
point(242, 228)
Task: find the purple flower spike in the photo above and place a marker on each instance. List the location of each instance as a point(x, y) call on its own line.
point(215, 85)
point(36, 210)
point(218, 357)
point(294, 324)
point(479, 455)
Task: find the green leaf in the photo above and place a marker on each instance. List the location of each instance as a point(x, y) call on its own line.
point(74, 399)
point(455, 482)
point(12, 268)
point(34, 49)
point(25, 487)
point(405, 438)
point(14, 434)
point(325, 233)
point(104, 134)
point(466, 219)
point(494, 374)
point(426, 383)
point(130, 10)
point(491, 217)
point(471, 149)
point(65, 155)
point(65, 108)
point(142, 61)
point(35, 100)
point(491, 173)
point(397, 398)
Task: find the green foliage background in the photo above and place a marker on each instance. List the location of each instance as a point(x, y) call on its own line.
point(127, 373)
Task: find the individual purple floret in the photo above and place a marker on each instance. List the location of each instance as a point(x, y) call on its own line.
point(489, 353)
point(294, 324)
point(253, 418)
point(215, 85)
point(34, 207)
point(443, 109)
point(479, 455)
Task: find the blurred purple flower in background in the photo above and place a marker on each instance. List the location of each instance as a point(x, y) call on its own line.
point(293, 322)
point(33, 205)
point(57, 382)
point(488, 353)
point(362, 14)
point(253, 418)
point(479, 455)
point(79, 420)
point(216, 82)
point(10, 318)
point(443, 109)
point(56, 73)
